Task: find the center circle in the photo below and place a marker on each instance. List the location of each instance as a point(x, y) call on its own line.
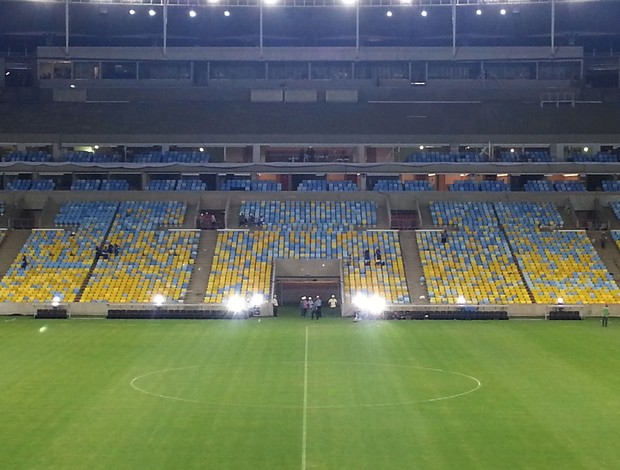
point(327, 384)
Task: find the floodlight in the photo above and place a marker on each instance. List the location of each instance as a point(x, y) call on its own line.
point(226, 13)
point(158, 300)
point(560, 301)
point(424, 13)
point(192, 13)
point(421, 147)
point(478, 12)
point(461, 300)
point(375, 305)
point(388, 13)
point(152, 12)
point(349, 2)
point(502, 11)
point(202, 149)
point(257, 300)
point(360, 300)
point(512, 150)
point(56, 301)
point(132, 12)
point(72, 86)
point(586, 149)
point(406, 2)
point(96, 147)
point(235, 303)
point(270, 2)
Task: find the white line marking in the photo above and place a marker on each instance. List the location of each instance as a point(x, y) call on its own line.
point(304, 432)
point(305, 407)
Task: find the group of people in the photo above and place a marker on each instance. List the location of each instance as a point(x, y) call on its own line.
point(378, 257)
point(106, 252)
point(206, 221)
point(251, 220)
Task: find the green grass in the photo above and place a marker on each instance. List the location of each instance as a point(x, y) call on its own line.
point(230, 394)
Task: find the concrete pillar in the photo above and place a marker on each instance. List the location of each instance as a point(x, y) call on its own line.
point(360, 154)
point(256, 153)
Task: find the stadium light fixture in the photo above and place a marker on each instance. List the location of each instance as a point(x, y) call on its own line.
point(421, 147)
point(502, 12)
point(257, 300)
point(406, 2)
point(55, 301)
point(586, 149)
point(235, 304)
point(376, 305)
point(96, 147)
point(132, 12)
point(213, 2)
point(192, 13)
point(158, 300)
point(424, 13)
point(349, 2)
point(388, 13)
point(461, 300)
point(560, 301)
point(201, 149)
point(72, 85)
point(478, 12)
point(226, 13)
point(152, 12)
point(270, 2)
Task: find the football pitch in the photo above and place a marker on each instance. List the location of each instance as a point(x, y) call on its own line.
point(291, 393)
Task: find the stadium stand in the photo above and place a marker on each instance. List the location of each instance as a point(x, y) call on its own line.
point(538, 186)
point(152, 258)
point(307, 230)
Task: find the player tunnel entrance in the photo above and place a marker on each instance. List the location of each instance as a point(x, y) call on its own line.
point(295, 278)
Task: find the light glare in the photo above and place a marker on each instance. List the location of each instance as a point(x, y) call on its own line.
point(235, 303)
point(192, 14)
point(424, 13)
point(152, 12)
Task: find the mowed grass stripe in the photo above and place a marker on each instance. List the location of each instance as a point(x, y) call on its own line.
point(548, 397)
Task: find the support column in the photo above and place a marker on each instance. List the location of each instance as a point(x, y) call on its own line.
point(165, 26)
point(255, 153)
point(552, 27)
point(66, 27)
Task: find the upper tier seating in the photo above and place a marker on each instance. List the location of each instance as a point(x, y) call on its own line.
point(162, 185)
point(191, 184)
point(388, 185)
point(538, 185)
point(495, 186)
point(31, 185)
point(91, 157)
point(600, 157)
point(418, 185)
point(535, 156)
point(611, 185)
point(464, 185)
point(235, 185)
point(86, 185)
point(33, 156)
point(442, 157)
point(312, 185)
point(569, 186)
point(172, 157)
point(115, 185)
point(314, 215)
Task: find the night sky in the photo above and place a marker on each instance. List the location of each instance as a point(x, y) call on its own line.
point(26, 25)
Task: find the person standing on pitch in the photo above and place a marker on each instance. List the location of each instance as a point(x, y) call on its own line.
point(333, 304)
point(303, 305)
point(605, 319)
point(311, 307)
point(318, 303)
point(275, 304)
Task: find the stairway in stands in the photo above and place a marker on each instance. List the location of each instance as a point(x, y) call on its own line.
point(9, 248)
point(413, 266)
point(202, 267)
